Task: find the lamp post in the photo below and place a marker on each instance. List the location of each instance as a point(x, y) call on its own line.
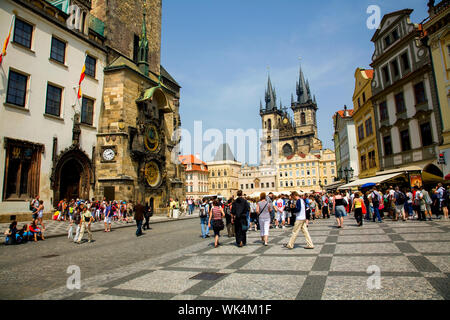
point(348, 174)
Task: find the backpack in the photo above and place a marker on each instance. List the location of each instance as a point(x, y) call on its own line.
point(77, 217)
point(203, 212)
point(401, 198)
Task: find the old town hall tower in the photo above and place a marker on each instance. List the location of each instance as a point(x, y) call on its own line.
point(136, 156)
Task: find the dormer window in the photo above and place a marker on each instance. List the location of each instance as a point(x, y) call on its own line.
point(387, 41)
point(395, 35)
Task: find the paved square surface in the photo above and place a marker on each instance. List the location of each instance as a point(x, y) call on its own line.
point(411, 258)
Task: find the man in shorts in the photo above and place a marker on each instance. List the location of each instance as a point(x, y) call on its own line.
point(399, 199)
point(108, 217)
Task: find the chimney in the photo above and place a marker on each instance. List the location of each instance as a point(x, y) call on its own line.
point(197, 155)
point(345, 111)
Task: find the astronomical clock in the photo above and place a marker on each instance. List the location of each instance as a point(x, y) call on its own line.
point(147, 143)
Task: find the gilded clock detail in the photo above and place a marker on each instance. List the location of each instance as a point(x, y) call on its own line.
point(152, 173)
point(152, 138)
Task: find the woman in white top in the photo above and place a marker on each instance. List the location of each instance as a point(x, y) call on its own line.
point(263, 210)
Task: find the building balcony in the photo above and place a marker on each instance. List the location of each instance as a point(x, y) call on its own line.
point(422, 106)
point(410, 156)
point(384, 122)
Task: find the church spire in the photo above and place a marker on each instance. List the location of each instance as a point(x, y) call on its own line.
point(143, 46)
point(271, 102)
point(302, 90)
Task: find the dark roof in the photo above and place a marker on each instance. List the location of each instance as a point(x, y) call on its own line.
point(224, 153)
point(167, 75)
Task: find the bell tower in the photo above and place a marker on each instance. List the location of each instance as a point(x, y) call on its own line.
point(271, 121)
point(305, 111)
point(123, 28)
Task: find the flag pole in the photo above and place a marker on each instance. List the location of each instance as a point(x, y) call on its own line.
point(5, 45)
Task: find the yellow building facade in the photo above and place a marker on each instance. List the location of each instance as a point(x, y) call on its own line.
point(363, 117)
point(224, 173)
point(306, 172)
point(437, 30)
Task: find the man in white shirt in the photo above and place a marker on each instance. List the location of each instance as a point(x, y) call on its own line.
point(300, 223)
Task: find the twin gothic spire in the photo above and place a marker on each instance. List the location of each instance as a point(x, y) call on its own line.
point(302, 89)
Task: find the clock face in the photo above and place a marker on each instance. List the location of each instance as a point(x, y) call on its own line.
point(109, 154)
point(152, 174)
point(285, 121)
point(152, 139)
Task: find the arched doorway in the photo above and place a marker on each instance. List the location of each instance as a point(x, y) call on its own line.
point(72, 175)
point(69, 187)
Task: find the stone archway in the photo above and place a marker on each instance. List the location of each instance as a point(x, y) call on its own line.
point(72, 175)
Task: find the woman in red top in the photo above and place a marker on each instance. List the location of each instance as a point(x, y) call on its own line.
point(33, 228)
point(216, 214)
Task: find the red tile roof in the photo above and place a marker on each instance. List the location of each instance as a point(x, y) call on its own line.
point(194, 161)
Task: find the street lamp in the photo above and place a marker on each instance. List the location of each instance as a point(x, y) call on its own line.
point(348, 174)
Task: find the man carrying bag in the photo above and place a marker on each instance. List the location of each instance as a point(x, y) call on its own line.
point(239, 210)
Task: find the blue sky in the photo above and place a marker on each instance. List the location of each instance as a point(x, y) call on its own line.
point(220, 51)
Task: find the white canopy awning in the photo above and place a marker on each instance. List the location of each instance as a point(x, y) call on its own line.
point(376, 179)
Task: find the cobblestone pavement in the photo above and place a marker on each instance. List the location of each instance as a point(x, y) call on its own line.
point(60, 228)
point(413, 258)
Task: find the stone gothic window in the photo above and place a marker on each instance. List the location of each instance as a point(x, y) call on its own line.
point(303, 118)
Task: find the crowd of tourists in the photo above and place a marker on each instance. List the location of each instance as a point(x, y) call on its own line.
point(80, 214)
point(298, 211)
point(242, 213)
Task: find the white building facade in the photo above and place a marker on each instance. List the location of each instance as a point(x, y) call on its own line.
point(345, 141)
point(404, 96)
point(47, 134)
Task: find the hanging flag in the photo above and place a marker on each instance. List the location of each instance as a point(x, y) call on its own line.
point(5, 44)
point(81, 78)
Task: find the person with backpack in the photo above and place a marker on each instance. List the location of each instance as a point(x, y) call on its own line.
point(376, 200)
point(399, 200)
point(108, 217)
point(428, 202)
point(443, 196)
point(253, 215)
point(239, 211)
point(34, 205)
point(300, 223)
point(229, 224)
point(203, 214)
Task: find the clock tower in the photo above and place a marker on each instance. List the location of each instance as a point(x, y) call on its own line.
point(136, 143)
